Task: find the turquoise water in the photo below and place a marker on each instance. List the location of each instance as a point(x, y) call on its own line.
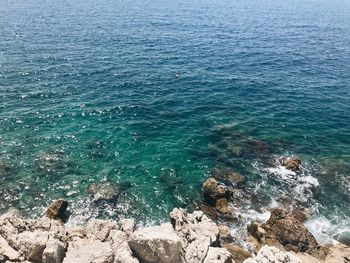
point(152, 95)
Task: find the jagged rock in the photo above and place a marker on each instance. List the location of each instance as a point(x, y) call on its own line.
point(122, 251)
point(228, 175)
point(158, 244)
point(103, 191)
point(289, 232)
point(197, 250)
point(128, 226)
point(218, 255)
point(54, 251)
point(89, 251)
point(238, 254)
point(272, 254)
point(284, 231)
point(197, 233)
point(57, 210)
point(291, 163)
point(99, 229)
point(209, 211)
point(212, 191)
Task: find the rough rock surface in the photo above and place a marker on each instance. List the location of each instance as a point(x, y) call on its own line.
point(291, 163)
point(192, 237)
point(88, 250)
point(218, 255)
point(213, 190)
point(197, 233)
point(158, 244)
point(238, 254)
point(57, 210)
point(284, 230)
point(100, 228)
point(272, 254)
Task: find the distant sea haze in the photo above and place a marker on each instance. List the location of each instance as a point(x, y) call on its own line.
point(143, 99)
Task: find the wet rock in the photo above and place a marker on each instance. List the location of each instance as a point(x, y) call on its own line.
point(223, 206)
point(238, 254)
point(54, 251)
point(258, 147)
point(291, 163)
point(103, 191)
point(289, 232)
point(218, 255)
point(6, 170)
point(158, 244)
point(57, 210)
point(212, 191)
point(228, 176)
point(96, 149)
point(99, 229)
point(301, 214)
point(273, 254)
point(209, 211)
point(89, 251)
point(343, 237)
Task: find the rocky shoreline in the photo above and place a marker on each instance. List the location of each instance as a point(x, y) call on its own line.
point(202, 236)
point(188, 237)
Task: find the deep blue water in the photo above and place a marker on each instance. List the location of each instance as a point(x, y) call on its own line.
point(155, 94)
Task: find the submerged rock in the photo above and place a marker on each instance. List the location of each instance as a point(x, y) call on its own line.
point(228, 175)
point(158, 244)
point(343, 237)
point(103, 191)
point(57, 210)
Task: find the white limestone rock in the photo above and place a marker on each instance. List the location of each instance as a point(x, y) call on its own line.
point(99, 229)
point(272, 254)
point(158, 244)
point(128, 226)
point(120, 246)
point(54, 251)
point(218, 255)
point(89, 251)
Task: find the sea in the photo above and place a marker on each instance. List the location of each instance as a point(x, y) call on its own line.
point(150, 96)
